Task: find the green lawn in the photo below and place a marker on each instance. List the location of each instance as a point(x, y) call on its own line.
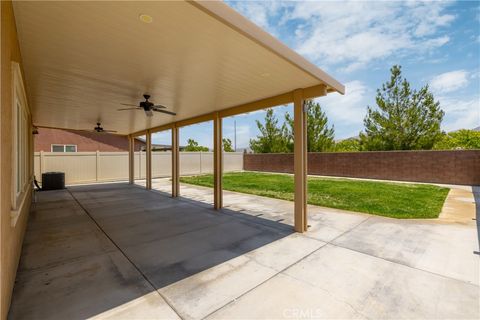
point(396, 200)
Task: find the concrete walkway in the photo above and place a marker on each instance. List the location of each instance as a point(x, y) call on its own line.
point(118, 251)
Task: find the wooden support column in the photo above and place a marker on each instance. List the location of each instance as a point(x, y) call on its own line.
point(175, 163)
point(97, 165)
point(148, 173)
point(131, 160)
point(42, 164)
point(217, 162)
point(300, 161)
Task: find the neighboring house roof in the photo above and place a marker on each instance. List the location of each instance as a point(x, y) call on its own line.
point(85, 141)
point(158, 146)
point(90, 141)
point(165, 147)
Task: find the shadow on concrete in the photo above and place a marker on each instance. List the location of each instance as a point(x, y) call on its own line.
point(92, 248)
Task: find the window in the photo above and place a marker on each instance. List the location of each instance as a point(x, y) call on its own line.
point(21, 135)
point(58, 148)
point(70, 148)
point(64, 148)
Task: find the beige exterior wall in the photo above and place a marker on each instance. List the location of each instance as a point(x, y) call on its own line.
point(11, 234)
point(87, 167)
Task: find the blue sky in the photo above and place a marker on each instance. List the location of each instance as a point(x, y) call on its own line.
point(435, 42)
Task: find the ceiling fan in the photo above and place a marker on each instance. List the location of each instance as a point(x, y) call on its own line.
point(100, 129)
point(148, 107)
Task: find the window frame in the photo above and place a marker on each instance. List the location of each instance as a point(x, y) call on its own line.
point(22, 173)
point(64, 146)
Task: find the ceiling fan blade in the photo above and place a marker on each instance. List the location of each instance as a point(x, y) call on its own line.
point(109, 131)
point(167, 112)
point(123, 109)
point(159, 106)
point(128, 104)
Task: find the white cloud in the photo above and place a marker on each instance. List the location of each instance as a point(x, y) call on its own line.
point(355, 33)
point(430, 17)
point(259, 12)
point(460, 113)
point(349, 108)
point(435, 42)
point(449, 81)
point(362, 32)
point(475, 74)
point(346, 112)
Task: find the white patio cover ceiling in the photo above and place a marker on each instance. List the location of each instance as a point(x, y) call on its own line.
point(83, 59)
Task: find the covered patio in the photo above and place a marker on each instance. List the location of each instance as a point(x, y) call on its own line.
point(200, 59)
point(124, 251)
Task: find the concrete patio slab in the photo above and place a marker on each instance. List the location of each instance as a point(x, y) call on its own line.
point(67, 234)
point(459, 206)
point(381, 289)
point(189, 253)
point(49, 246)
point(85, 288)
point(325, 224)
point(293, 299)
point(199, 295)
point(119, 251)
point(446, 249)
point(335, 282)
point(144, 226)
point(144, 307)
point(285, 252)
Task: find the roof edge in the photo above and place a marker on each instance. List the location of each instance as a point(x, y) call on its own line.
point(227, 15)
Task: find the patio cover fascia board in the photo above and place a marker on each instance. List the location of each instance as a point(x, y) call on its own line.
point(285, 98)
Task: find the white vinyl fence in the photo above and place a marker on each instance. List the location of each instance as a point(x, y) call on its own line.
point(86, 167)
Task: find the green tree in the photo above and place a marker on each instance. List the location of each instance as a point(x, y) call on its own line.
point(192, 145)
point(459, 140)
point(227, 145)
point(347, 145)
point(319, 135)
point(271, 138)
point(405, 119)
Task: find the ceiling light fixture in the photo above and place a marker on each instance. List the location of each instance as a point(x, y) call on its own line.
point(145, 18)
